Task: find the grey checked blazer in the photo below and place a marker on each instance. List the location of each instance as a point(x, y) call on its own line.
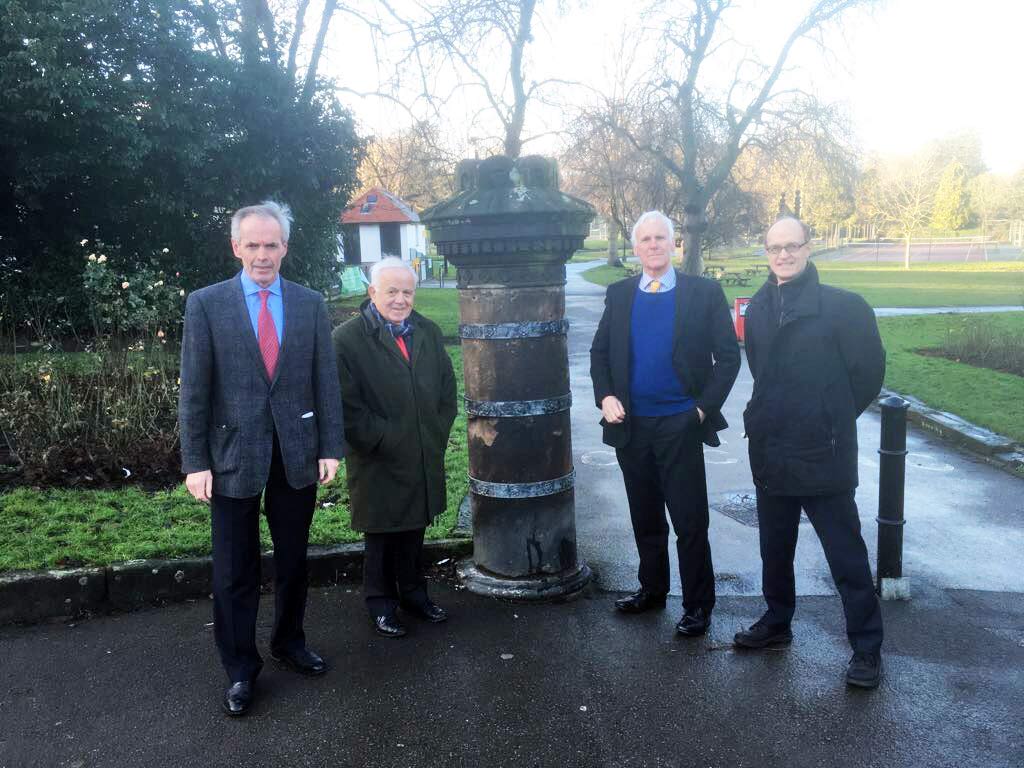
point(228, 409)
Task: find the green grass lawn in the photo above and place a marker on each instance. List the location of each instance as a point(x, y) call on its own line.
point(937, 285)
point(64, 528)
point(985, 397)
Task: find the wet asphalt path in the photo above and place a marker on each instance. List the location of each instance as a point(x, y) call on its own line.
point(965, 519)
point(577, 684)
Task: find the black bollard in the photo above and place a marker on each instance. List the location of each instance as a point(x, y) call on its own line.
point(891, 478)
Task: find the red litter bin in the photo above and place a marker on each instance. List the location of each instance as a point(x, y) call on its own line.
point(740, 309)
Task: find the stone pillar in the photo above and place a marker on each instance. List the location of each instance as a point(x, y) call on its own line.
point(510, 231)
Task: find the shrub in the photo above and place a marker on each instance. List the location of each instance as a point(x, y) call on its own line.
point(93, 418)
point(977, 343)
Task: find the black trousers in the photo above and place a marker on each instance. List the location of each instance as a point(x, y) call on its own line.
point(236, 570)
point(392, 571)
point(837, 524)
point(663, 466)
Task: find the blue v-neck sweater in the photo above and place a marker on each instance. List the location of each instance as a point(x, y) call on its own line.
point(654, 387)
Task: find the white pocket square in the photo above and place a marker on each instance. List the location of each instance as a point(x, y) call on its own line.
point(307, 415)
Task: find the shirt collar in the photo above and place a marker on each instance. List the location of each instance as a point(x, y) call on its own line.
point(250, 286)
point(668, 280)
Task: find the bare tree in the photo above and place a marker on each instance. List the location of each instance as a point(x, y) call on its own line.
point(901, 193)
point(412, 163)
point(253, 31)
point(620, 181)
point(484, 43)
point(712, 131)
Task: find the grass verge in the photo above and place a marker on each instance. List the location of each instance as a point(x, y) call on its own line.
point(988, 398)
point(59, 528)
point(940, 285)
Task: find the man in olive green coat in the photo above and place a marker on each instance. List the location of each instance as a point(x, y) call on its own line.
point(399, 397)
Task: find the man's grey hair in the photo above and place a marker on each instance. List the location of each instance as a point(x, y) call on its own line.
point(804, 227)
point(654, 216)
point(390, 262)
point(268, 209)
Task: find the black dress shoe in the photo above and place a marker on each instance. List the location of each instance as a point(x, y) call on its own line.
point(694, 623)
point(763, 635)
point(238, 698)
point(429, 611)
point(864, 670)
point(639, 602)
point(303, 661)
point(388, 625)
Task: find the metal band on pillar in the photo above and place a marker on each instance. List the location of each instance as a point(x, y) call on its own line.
point(523, 490)
point(527, 330)
point(497, 409)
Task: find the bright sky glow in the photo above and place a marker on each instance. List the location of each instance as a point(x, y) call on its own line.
point(909, 71)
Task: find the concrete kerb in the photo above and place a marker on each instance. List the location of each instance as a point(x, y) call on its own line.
point(31, 596)
point(993, 448)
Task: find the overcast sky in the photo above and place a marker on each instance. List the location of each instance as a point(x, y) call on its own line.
point(909, 71)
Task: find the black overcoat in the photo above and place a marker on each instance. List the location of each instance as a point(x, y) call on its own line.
point(705, 355)
point(817, 362)
point(398, 415)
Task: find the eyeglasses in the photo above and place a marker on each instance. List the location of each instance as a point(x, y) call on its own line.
point(775, 250)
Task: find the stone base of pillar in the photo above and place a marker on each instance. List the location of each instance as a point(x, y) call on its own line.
point(894, 589)
point(551, 587)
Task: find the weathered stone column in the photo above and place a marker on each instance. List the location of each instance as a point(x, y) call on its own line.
point(510, 231)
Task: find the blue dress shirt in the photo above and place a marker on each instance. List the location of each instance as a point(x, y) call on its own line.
point(275, 303)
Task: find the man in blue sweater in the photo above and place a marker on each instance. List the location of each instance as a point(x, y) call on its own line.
point(662, 363)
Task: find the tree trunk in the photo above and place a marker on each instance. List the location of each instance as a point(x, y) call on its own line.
point(906, 252)
point(613, 245)
point(693, 233)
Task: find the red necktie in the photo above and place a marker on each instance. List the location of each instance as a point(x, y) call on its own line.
point(401, 345)
point(267, 335)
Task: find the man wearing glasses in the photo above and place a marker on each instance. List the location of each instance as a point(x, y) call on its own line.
point(817, 363)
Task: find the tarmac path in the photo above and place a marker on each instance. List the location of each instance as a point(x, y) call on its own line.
point(576, 684)
point(965, 519)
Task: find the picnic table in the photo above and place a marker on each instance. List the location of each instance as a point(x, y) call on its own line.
point(734, 278)
point(713, 272)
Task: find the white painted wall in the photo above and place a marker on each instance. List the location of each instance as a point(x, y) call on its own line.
point(413, 236)
point(369, 243)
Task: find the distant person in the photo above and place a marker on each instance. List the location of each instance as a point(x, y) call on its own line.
point(817, 362)
point(260, 415)
point(399, 396)
point(662, 363)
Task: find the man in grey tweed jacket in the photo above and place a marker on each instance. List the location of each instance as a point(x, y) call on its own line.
point(260, 415)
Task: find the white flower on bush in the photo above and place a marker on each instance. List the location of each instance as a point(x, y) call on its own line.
point(181, 292)
point(166, 250)
point(125, 285)
point(92, 257)
point(102, 258)
point(83, 242)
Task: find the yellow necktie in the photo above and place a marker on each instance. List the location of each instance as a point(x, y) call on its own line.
point(654, 286)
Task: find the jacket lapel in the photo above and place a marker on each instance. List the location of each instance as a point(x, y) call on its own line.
point(249, 340)
point(685, 320)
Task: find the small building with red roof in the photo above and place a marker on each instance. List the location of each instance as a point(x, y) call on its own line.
point(379, 223)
